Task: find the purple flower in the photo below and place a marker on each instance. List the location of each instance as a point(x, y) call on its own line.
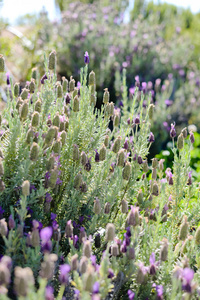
point(131, 295)
point(187, 276)
point(191, 137)
point(86, 58)
point(67, 98)
point(64, 270)
point(46, 234)
point(76, 294)
point(59, 181)
point(110, 273)
point(75, 240)
point(11, 222)
point(8, 78)
point(189, 178)
point(168, 102)
point(49, 293)
point(152, 260)
point(48, 197)
point(44, 77)
point(53, 216)
point(151, 138)
point(173, 131)
point(1, 212)
point(159, 290)
point(95, 289)
point(121, 103)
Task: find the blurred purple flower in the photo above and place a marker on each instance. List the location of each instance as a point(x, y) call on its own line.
point(131, 295)
point(64, 270)
point(49, 293)
point(86, 58)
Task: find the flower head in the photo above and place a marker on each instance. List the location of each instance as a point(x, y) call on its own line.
point(86, 58)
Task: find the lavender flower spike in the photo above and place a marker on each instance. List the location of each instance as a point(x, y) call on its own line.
point(86, 58)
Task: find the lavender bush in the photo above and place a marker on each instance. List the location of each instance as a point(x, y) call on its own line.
point(83, 214)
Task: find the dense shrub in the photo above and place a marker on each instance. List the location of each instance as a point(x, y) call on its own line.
point(83, 213)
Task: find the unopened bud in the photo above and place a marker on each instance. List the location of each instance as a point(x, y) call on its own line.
point(106, 141)
point(197, 236)
point(140, 197)
point(154, 163)
point(161, 164)
point(83, 264)
point(75, 92)
point(64, 84)
point(35, 119)
point(78, 181)
point(183, 229)
point(164, 250)
point(124, 208)
point(26, 188)
point(155, 190)
point(76, 104)
point(24, 94)
point(110, 232)
point(131, 253)
point(2, 63)
point(32, 86)
point(48, 266)
point(93, 100)
point(69, 229)
point(145, 166)
point(34, 73)
point(63, 137)
point(75, 152)
point(107, 208)
point(133, 216)
point(116, 120)
point(52, 60)
point(38, 105)
point(35, 238)
point(83, 158)
point(57, 146)
point(53, 178)
point(88, 279)
point(59, 90)
point(102, 153)
point(87, 250)
point(180, 142)
point(74, 262)
point(151, 111)
point(114, 250)
point(92, 78)
point(4, 274)
point(23, 279)
point(3, 227)
point(24, 110)
point(71, 84)
point(184, 132)
point(126, 173)
point(2, 185)
point(191, 137)
point(11, 222)
point(50, 163)
point(50, 135)
point(34, 151)
point(106, 96)
point(120, 158)
point(56, 120)
point(154, 173)
point(116, 145)
point(1, 168)
point(16, 89)
point(97, 206)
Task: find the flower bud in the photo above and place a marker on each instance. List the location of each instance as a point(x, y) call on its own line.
point(126, 173)
point(164, 250)
point(69, 229)
point(71, 84)
point(145, 166)
point(191, 137)
point(23, 279)
point(32, 86)
point(63, 137)
point(184, 132)
point(26, 188)
point(2, 63)
point(93, 100)
point(140, 197)
point(35, 238)
point(76, 104)
point(56, 120)
point(116, 145)
point(4, 274)
point(50, 135)
point(74, 262)
point(48, 266)
point(111, 108)
point(34, 151)
point(102, 153)
point(11, 222)
point(133, 216)
point(34, 73)
point(154, 163)
point(57, 146)
point(155, 190)
point(50, 163)
point(35, 119)
point(154, 173)
point(106, 96)
point(92, 79)
point(19, 103)
point(131, 253)
point(106, 141)
point(114, 250)
point(83, 264)
point(59, 90)
point(161, 165)
point(139, 159)
point(64, 84)
point(151, 111)
point(75, 92)
point(93, 89)
point(107, 208)
point(38, 105)
point(78, 181)
point(52, 60)
point(1, 168)
point(110, 232)
point(141, 274)
point(24, 110)
point(75, 152)
point(183, 229)
point(97, 206)
point(16, 89)
point(88, 279)
point(83, 158)
point(87, 250)
point(97, 241)
point(120, 158)
point(124, 208)
point(116, 120)
point(180, 142)
point(3, 227)
point(2, 185)
point(197, 236)
point(24, 94)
